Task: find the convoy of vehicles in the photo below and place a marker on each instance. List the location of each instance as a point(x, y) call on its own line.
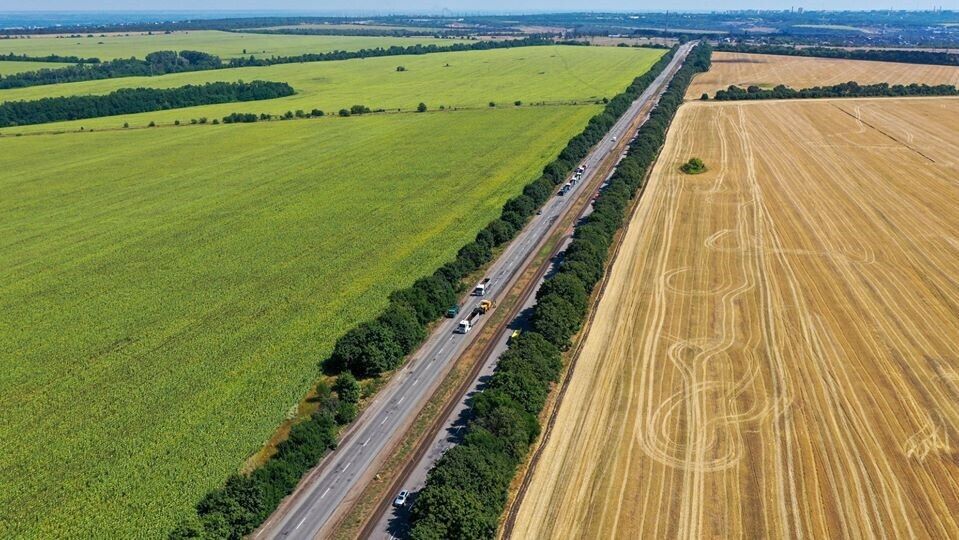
point(577, 176)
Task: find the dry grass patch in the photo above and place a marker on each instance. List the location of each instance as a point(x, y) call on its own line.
point(767, 70)
point(777, 352)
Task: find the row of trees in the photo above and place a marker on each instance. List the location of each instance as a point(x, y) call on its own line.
point(164, 62)
point(380, 345)
point(395, 50)
point(155, 63)
point(450, 33)
point(467, 489)
point(848, 89)
point(136, 100)
point(245, 501)
point(880, 55)
point(12, 57)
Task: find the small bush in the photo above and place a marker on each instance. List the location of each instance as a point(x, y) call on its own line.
point(694, 166)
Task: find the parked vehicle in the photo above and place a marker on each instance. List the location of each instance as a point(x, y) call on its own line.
point(400, 499)
point(514, 335)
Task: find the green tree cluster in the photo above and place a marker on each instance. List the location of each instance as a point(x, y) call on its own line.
point(693, 166)
point(56, 58)
point(136, 100)
point(245, 501)
point(155, 63)
point(905, 56)
point(841, 90)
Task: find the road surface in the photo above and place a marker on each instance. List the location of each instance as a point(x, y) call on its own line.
point(393, 522)
point(309, 511)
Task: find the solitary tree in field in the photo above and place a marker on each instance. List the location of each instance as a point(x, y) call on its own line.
point(421, 107)
point(694, 166)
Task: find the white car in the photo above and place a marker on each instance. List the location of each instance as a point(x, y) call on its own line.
point(400, 499)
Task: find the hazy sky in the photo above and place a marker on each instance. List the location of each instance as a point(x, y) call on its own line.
point(460, 6)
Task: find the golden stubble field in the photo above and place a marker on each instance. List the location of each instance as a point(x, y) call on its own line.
point(766, 70)
point(777, 351)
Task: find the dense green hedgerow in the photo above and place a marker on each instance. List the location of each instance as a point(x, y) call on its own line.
point(878, 55)
point(136, 100)
point(847, 89)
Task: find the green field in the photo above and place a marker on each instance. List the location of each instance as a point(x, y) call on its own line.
point(166, 294)
point(9, 68)
point(460, 79)
point(223, 44)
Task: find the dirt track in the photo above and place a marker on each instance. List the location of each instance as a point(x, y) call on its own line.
point(777, 351)
point(799, 72)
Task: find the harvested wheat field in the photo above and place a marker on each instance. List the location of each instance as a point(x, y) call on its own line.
point(767, 71)
point(776, 353)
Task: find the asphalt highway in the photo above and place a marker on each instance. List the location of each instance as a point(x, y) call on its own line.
point(311, 510)
point(393, 523)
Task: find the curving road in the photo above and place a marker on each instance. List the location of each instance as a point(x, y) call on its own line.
point(313, 507)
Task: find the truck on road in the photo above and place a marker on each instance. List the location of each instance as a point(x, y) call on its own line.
point(480, 289)
point(468, 323)
point(485, 306)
